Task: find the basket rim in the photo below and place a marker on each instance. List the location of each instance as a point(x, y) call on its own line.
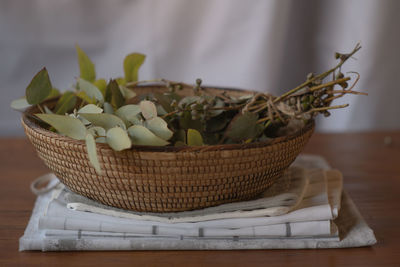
point(28, 121)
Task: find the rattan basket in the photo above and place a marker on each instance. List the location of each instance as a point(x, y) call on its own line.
point(167, 179)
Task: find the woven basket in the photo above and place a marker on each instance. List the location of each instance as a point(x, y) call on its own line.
point(167, 179)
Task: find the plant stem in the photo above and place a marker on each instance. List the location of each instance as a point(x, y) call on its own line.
point(40, 108)
point(320, 76)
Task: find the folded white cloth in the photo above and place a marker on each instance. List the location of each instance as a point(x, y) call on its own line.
point(301, 206)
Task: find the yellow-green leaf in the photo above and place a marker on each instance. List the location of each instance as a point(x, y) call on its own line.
point(86, 66)
point(132, 63)
point(66, 103)
point(148, 109)
point(90, 89)
point(118, 139)
point(194, 138)
point(105, 120)
point(53, 93)
point(92, 152)
point(159, 127)
point(39, 88)
point(142, 136)
point(101, 84)
point(82, 95)
point(66, 125)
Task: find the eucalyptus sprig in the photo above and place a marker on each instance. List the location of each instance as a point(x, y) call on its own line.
point(97, 111)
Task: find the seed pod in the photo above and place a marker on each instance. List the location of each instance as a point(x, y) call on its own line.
point(339, 75)
point(327, 113)
point(198, 81)
point(344, 85)
point(316, 102)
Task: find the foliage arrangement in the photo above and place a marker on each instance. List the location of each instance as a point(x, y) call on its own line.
point(98, 111)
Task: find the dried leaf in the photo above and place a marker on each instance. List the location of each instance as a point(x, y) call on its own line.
point(65, 125)
point(66, 103)
point(159, 127)
point(107, 121)
point(39, 88)
point(194, 138)
point(86, 66)
point(92, 152)
point(90, 89)
point(142, 136)
point(118, 139)
point(132, 63)
point(90, 108)
point(148, 109)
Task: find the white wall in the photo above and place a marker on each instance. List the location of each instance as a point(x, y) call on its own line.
point(254, 44)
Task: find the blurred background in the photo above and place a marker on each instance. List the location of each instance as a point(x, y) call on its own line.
point(261, 45)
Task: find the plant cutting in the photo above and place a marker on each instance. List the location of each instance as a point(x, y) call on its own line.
point(161, 118)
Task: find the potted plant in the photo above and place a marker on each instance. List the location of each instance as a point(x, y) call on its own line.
point(163, 146)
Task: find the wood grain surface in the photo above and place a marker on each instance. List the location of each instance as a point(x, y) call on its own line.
point(370, 163)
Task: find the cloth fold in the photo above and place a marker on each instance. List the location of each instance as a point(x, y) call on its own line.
point(301, 209)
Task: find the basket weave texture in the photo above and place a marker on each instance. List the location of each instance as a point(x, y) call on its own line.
point(167, 179)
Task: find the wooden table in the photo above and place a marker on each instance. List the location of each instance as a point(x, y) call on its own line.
point(370, 163)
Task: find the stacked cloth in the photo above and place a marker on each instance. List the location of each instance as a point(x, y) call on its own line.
point(303, 209)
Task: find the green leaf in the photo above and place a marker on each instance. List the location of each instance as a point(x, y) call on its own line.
point(97, 131)
point(92, 152)
point(142, 136)
point(186, 122)
point(105, 120)
point(90, 89)
point(53, 93)
point(128, 112)
point(132, 63)
point(90, 108)
point(126, 92)
point(194, 138)
point(159, 127)
point(86, 66)
point(118, 139)
point(114, 95)
point(66, 125)
point(39, 88)
point(244, 127)
point(20, 104)
point(108, 108)
point(66, 103)
point(148, 109)
point(102, 85)
point(218, 104)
